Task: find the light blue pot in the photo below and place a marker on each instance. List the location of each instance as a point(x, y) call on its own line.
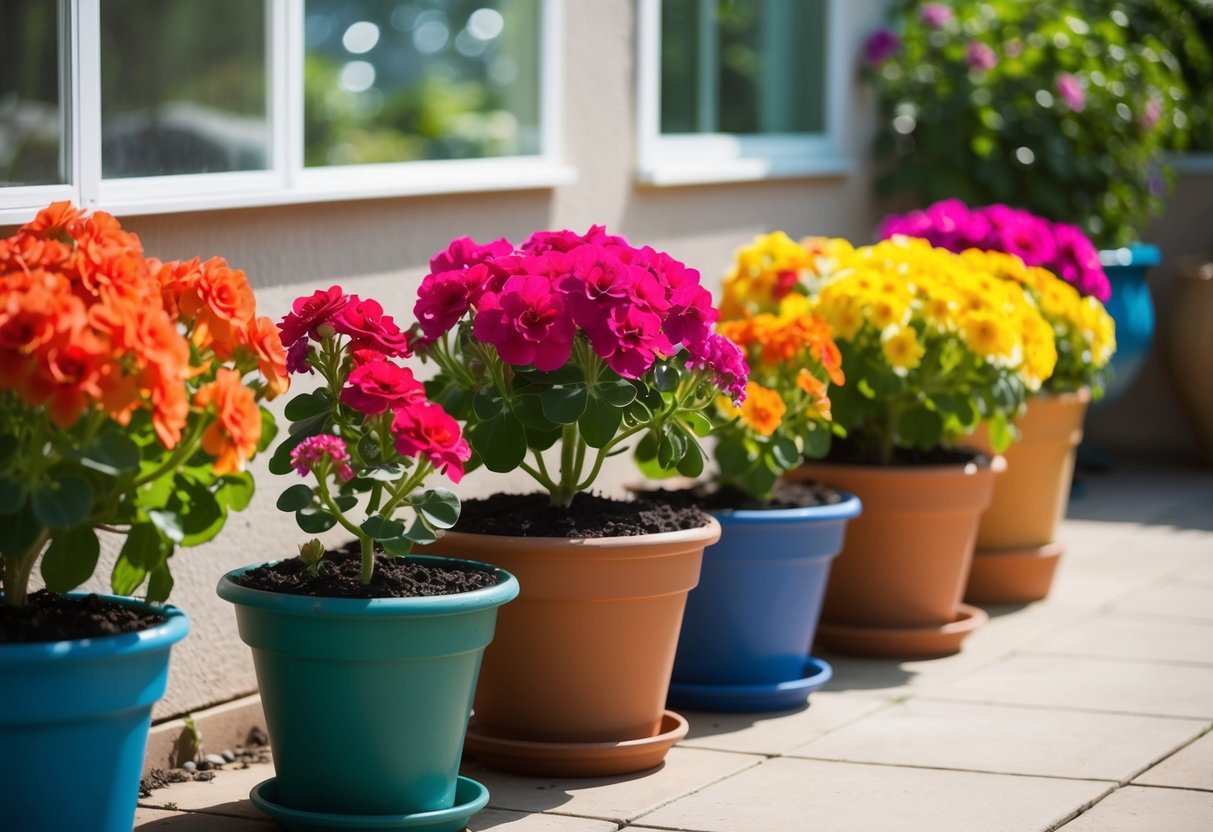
point(74, 717)
point(751, 620)
point(367, 700)
point(1132, 308)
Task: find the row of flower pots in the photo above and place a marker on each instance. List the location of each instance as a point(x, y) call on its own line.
point(566, 626)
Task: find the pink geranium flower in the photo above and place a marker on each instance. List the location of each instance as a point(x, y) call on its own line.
point(310, 313)
point(425, 429)
point(527, 323)
point(464, 252)
point(936, 15)
point(980, 56)
point(368, 328)
point(377, 386)
point(324, 449)
point(1071, 91)
point(445, 297)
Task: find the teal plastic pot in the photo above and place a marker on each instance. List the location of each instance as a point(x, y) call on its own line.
point(1132, 308)
point(74, 717)
point(752, 618)
point(367, 700)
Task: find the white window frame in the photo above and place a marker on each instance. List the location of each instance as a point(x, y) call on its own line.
point(286, 181)
point(705, 158)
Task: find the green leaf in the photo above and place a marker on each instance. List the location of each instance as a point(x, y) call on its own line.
point(645, 457)
point(784, 453)
point(294, 498)
point(697, 422)
point(759, 480)
point(310, 426)
point(817, 443)
point(600, 421)
point(617, 391)
point(438, 506)
point(345, 502)
point(112, 454)
point(691, 464)
point(568, 374)
point(160, 584)
point(665, 377)
point(920, 427)
point(280, 462)
point(143, 552)
point(314, 520)
point(18, 532)
point(500, 442)
point(70, 559)
point(12, 495)
point(235, 490)
point(379, 527)
point(384, 473)
point(420, 533)
point(734, 459)
point(63, 502)
point(486, 406)
point(168, 522)
point(539, 440)
point(269, 430)
point(671, 448)
point(201, 515)
point(529, 410)
point(398, 545)
point(564, 405)
point(999, 430)
point(308, 405)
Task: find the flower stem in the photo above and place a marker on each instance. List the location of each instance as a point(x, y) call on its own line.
point(17, 571)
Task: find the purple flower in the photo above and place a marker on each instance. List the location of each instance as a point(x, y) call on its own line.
point(726, 362)
point(1071, 91)
point(936, 15)
point(979, 56)
point(880, 46)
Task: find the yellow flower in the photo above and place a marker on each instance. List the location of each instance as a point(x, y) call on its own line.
point(986, 335)
point(902, 349)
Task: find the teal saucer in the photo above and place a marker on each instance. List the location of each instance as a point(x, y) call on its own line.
point(470, 798)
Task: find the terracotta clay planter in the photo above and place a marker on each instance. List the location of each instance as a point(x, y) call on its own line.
point(1016, 553)
point(896, 587)
point(1190, 350)
point(576, 678)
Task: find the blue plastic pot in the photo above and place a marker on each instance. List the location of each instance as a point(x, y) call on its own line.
point(1132, 308)
point(751, 621)
point(367, 700)
point(74, 717)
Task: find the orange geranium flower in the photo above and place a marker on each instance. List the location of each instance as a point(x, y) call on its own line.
point(232, 438)
point(263, 338)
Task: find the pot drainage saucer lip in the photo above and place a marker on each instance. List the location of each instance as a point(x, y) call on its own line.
point(778, 696)
point(902, 642)
point(576, 759)
point(470, 798)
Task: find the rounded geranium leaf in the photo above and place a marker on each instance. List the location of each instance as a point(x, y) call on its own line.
point(70, 559)
point(564, 405)
point(439, 506)
point(294, 498)
point(314, 521)
point(500, 442)
point(600, 421)
point(64, 502)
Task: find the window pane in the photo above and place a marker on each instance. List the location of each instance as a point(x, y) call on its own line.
point(32, 147)
point(401, 80)
point(183, 87)
point(743, 66)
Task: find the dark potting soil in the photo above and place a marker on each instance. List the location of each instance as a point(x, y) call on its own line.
point(713, 497)
point(590, 515)
point(49, 616)
point(854, 451)
point(339, 578)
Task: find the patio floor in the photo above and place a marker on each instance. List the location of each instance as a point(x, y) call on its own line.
point(1087, 712)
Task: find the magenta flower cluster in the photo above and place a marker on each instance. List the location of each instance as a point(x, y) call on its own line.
point(1059, 247)
point(530, 302)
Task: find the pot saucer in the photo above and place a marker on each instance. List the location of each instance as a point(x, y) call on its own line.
point(576, 759)
point(1012, 576)
point(777, 696)
point(470, 798)
point(902, 642)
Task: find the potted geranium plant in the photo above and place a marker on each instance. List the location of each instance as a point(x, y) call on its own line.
point(129, 394)
point(1064, 109)
point(580, 344)
point(334, 633)
point(932, 346)
point(1016, 547)
point(750, 622)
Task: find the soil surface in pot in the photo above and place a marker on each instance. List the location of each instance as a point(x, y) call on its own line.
point(49, 616)
point(338, 578)
point(590, 515)
point(854, 451)
point(711, 496)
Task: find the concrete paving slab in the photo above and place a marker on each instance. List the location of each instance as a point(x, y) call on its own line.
point(777, 733)
point(156, 820)
point(619, 799)
point(499, 820)
point(1007, 740)
point(1089, 684)
point(226, 794)
point(1173, 600)
point(790, 795)
point(1124, 636)
point(1189, 768)
point(1142, 809)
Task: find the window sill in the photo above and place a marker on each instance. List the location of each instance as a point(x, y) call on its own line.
point(1192, 163)
point(672, 173)
point(156, 195)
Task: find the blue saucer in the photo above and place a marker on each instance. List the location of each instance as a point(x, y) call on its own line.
point(778, 696)
point(470, 798)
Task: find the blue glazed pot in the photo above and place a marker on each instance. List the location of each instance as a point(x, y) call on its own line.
point(74, 717)
point(367, 700)
point(752, 619)
point(1132, 308)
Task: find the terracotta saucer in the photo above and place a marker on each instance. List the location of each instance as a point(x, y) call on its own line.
point(576, 759)
point(1012, 576)
point(470, 798)
point(778, 696)
point(902, 643)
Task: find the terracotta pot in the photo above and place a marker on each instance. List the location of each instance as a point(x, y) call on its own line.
point(1031, 496)
point(906, 558)
point(1190, 350)
point(1012, 576)
point(584, 655)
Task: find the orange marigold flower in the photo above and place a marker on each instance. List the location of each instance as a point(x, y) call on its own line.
point(763, 409)
point(232, 438)
point(222, 302)
point(816, 390)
